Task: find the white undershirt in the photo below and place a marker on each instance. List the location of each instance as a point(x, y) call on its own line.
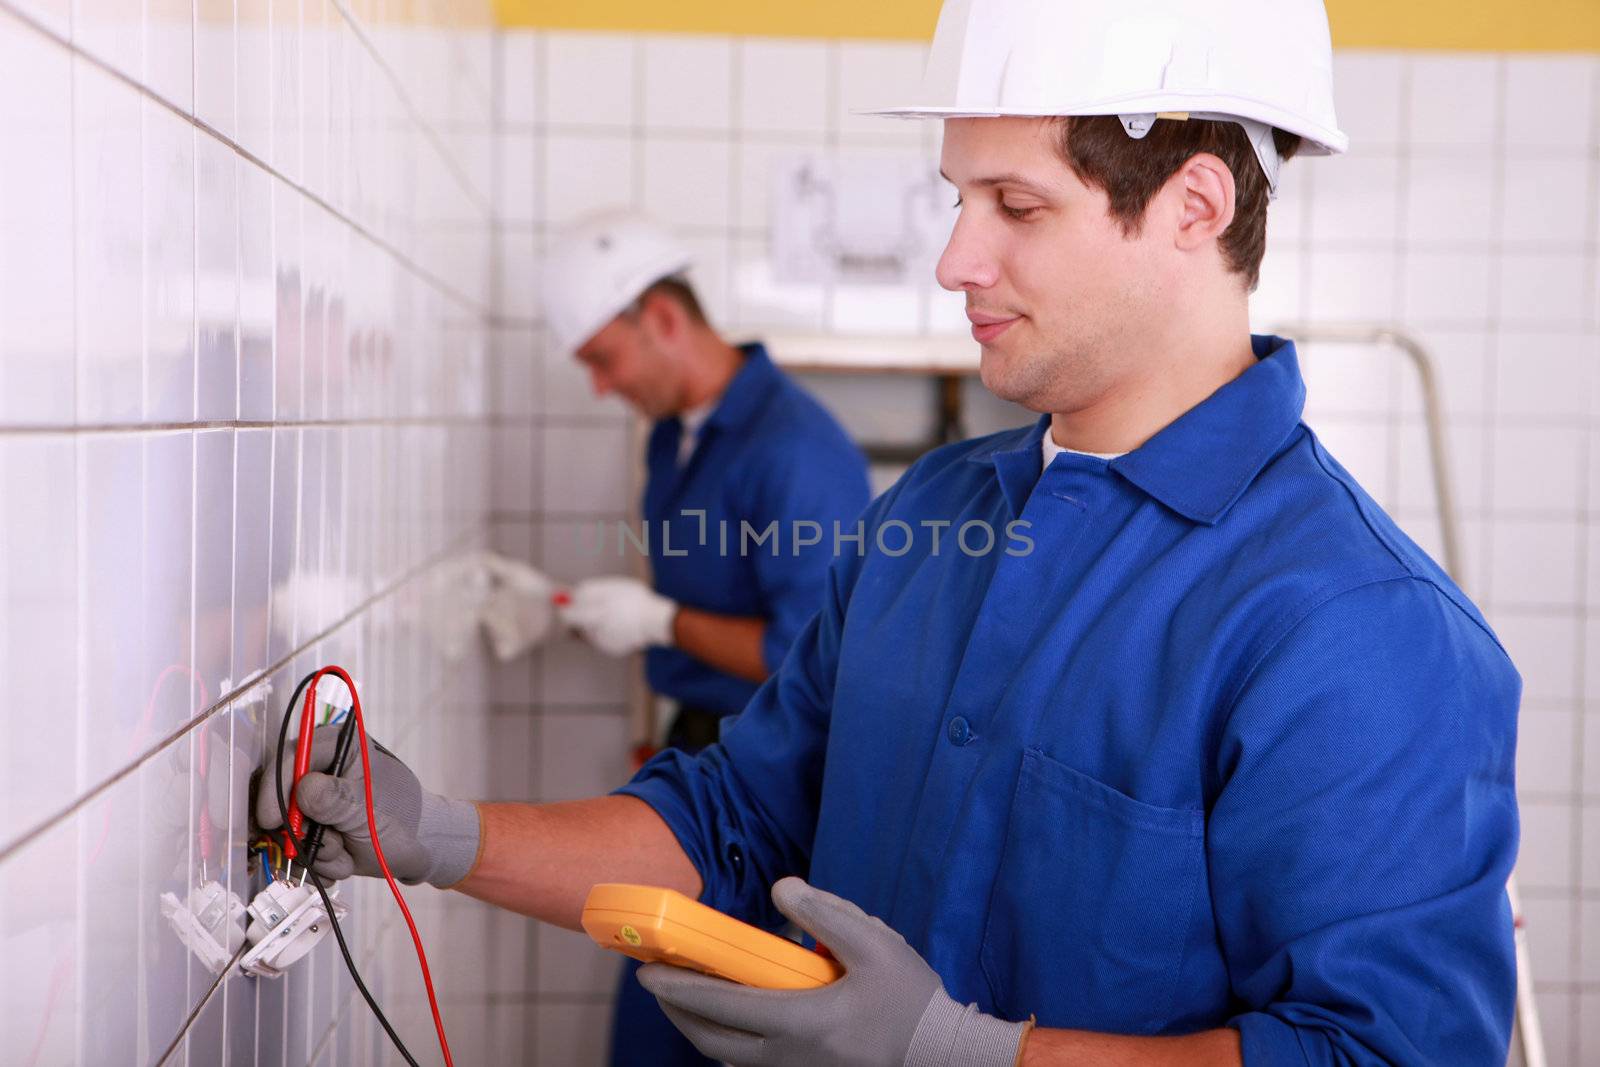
point(1052, 450)
point(693, 420)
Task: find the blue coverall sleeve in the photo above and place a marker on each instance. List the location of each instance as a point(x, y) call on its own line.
point(806, 491)
point(745, 809)
point(1363, 834)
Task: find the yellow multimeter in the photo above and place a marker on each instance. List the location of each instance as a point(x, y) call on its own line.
point(662, 925)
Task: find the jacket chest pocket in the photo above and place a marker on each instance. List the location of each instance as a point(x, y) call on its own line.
point(1091, 910)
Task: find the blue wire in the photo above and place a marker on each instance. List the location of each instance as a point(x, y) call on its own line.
point(339, 717)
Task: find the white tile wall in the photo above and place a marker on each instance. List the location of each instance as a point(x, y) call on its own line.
point(1466, 213)
point(241, 400)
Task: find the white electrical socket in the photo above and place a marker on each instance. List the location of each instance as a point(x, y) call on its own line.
point(286, 922)
point(209, 921)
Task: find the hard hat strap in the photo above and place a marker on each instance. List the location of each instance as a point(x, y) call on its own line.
point(1137, 126)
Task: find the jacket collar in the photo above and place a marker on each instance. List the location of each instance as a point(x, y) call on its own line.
point(1203, 461)
point(748, 392)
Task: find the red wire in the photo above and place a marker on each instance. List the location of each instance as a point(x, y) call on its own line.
point(372, 828)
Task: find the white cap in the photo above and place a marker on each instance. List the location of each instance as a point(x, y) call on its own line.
point(599, 266)
point(1264, 64)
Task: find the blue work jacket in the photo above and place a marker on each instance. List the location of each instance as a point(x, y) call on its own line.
point(1224, 748)
point(768, 456)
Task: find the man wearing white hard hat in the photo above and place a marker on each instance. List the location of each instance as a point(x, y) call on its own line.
point(1219, 768)
point(734, 442)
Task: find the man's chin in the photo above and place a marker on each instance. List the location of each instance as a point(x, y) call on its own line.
point(1008, 376)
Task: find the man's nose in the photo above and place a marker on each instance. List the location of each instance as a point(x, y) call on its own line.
point(967, 262)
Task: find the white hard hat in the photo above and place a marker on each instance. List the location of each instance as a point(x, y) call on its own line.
point(1262, 63)
point(594, 270)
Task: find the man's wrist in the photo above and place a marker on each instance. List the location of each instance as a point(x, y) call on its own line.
point(451, 832)
point(663, 628)
point(951, 1034)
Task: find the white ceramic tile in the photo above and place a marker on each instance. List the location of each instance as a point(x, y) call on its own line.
point(517, 187)
point(257, 293)
point(1368, 95)
point(1351, 286)
point(111, 31)
point(289, 321)
point(1449, 198)
point(761, 302)
point(1587, 1016)
point(876, 75)
point(1549, 99)
point(169, 267)
point(1590, 724)
point(1545, 290)
point(1455, 99)
point(1356, 199)
point(1544, 860)
point(759, 165)
point(1536, 469)
point(284, 540)
point(518, 76)
point(1550, 942)
point(314, 73)
point(40, 989)
point(36, 215)
point(110, 235)
point(567, 964)
point(582, 754)
point(586, 173)
point(1279, 293)
point(572, 673)
point(876, 309)
point(1535, 563)
point(517, 273)
point(1362, 448)
point(54, 14)
point(600, 484)
point(1461, 361)
point(1447, 287)
point(568, 390)
point(169, 63)
point(710, 277)
point(517, 381)
point(216, 65)
point(1544, 649)
point(38, 629)
point(590, 79)
point(516, 469)
point(254, 75)
point(783, 86)
point(688, 82)
point(166, 595)
point(1545, 375)
point(1414, 468)
point(1545, 740)
point(286, 111)
point(571, 1033)
point(252, 505)
point(1546, 201)
point(216, 294)
point(687, 182)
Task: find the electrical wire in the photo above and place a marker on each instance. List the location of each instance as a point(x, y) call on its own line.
point(341, 758)
point(290, 811)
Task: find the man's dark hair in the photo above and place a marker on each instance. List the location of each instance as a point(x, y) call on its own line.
point(676, 289)
point(1131, 172)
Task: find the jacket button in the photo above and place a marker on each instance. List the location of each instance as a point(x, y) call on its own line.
point(960, 731)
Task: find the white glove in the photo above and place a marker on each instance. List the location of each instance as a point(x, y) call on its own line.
point(517, 612)
point(620, 616)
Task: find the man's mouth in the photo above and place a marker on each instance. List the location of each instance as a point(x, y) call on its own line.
point(987, 327)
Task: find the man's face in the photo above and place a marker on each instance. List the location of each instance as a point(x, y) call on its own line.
point(624, 359)
point(1055, 292)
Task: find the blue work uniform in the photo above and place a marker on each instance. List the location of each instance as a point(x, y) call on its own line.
point(742, 527)
point(769, 461)
point(1220, 747)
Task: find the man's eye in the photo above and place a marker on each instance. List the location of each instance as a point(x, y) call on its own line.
point(1019, 213)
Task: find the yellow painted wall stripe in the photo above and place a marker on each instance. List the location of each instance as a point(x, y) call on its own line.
point(1466, 25)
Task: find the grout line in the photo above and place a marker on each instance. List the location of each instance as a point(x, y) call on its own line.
point(224, 701)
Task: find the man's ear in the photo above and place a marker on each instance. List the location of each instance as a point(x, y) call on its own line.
point(1206, 186)
point(664, 317)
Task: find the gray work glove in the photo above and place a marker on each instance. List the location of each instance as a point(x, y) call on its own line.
point(889, 1009)
point(425, 837)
